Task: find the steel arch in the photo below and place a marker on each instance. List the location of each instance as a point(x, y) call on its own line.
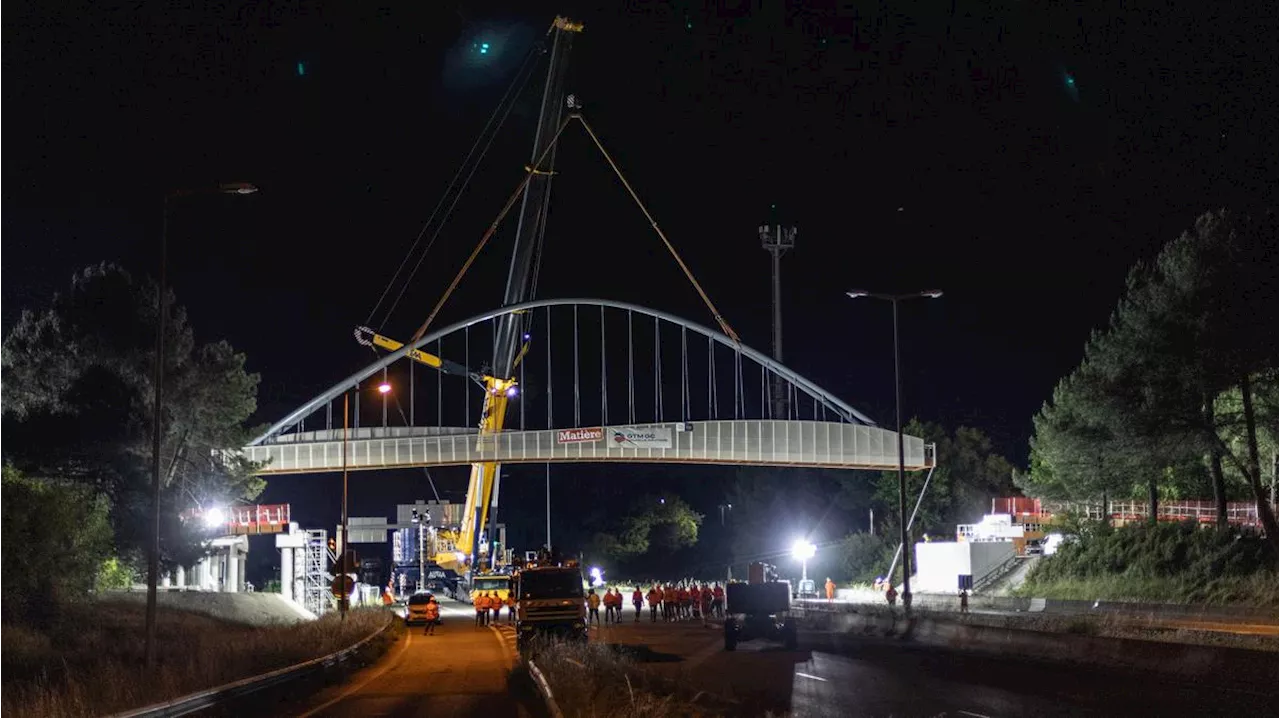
point(813, 390)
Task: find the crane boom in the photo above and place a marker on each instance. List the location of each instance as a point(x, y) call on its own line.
point(482, 504)
point(458, 550)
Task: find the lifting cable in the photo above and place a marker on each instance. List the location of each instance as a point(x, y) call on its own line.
point(508, 102)
point(724, 325)
point(529, 175)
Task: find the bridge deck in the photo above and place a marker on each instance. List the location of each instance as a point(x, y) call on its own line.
point(754, 442)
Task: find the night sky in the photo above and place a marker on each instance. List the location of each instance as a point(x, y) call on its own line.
point(1020, 156)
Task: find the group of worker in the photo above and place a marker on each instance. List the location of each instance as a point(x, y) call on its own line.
point(491, 603)
point(674, 602)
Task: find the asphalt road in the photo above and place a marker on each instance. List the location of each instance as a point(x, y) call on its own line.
point(460, 671)
point(463, 671)
point(864, 678)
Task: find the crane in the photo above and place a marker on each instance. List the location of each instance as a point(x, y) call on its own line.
point(458, 550)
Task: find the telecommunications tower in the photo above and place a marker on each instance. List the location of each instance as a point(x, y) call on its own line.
point(776, 240)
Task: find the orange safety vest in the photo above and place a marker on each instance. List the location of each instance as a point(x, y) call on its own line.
point(433, 611)
point(482, 603)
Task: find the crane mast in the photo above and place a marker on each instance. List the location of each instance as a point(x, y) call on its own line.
point(458, 549)
point(483, 489)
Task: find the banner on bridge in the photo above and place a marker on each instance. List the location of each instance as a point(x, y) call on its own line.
point(579, 436)
point(641, 437)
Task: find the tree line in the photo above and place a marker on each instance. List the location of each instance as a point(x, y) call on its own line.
point(78, 414)
point(1176, 396)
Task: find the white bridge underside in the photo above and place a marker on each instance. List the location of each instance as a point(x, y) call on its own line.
point(818, 444)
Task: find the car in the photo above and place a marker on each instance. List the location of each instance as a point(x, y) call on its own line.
point(417, 613)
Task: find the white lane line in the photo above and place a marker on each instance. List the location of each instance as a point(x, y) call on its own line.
point(975, 715)
point(806, 675)
point(502, 643)
point(378, 674)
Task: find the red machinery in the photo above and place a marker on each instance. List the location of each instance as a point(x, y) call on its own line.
point(244, 520)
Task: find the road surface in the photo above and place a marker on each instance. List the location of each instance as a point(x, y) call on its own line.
point(463, 671)
point(877, 679)
point(460, 671)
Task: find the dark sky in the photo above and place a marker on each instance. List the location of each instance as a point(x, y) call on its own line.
point(1020, 156)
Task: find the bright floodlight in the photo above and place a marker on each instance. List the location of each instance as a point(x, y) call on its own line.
point(932, 293)
point(856, 293)
point(384, 388)
point(512, 391)
point(803, 550)
point(214, 518)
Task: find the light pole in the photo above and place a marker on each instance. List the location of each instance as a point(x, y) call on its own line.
point(343, 600)
point(902, 471)
point(162, 311)
point(728, 570)
point(802, 550)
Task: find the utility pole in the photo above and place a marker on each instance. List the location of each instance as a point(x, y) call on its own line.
point(776, 240)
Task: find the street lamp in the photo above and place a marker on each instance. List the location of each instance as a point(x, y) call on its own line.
point(384, 389)
point(802, 550)
point(902, 472)
point(162, 311)
point(728, 571)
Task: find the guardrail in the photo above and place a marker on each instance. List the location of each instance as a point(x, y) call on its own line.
point(207, 698)
point(545, 689)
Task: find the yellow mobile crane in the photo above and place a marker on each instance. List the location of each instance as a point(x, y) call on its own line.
point(458, 550)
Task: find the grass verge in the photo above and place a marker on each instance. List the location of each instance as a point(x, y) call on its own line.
point(1258, 589)
point(594, 679)
point(90, 660)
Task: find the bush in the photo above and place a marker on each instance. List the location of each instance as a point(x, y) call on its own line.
point(1167, 561)
point(114, 574)
point(57, 536)
point(866, 556)
point(1162, 550)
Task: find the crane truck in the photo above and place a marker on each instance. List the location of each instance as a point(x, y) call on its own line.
point(457, 550)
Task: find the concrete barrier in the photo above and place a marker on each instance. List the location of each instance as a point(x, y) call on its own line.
point(1185, 661)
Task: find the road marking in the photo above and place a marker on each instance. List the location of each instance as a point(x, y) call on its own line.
point(502, 643)
point(975, 715)
point(816, 678)
point(342, 696)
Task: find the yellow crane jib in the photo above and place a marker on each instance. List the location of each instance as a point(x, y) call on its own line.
point(369, 338)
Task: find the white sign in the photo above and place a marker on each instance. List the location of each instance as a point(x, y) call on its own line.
point(640, 437)
point(579, 436)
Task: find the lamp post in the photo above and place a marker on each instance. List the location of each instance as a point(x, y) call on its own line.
point(902, 472)
point(803, 550)
point(343, 599)
point(162, 311)
point(728, 571)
